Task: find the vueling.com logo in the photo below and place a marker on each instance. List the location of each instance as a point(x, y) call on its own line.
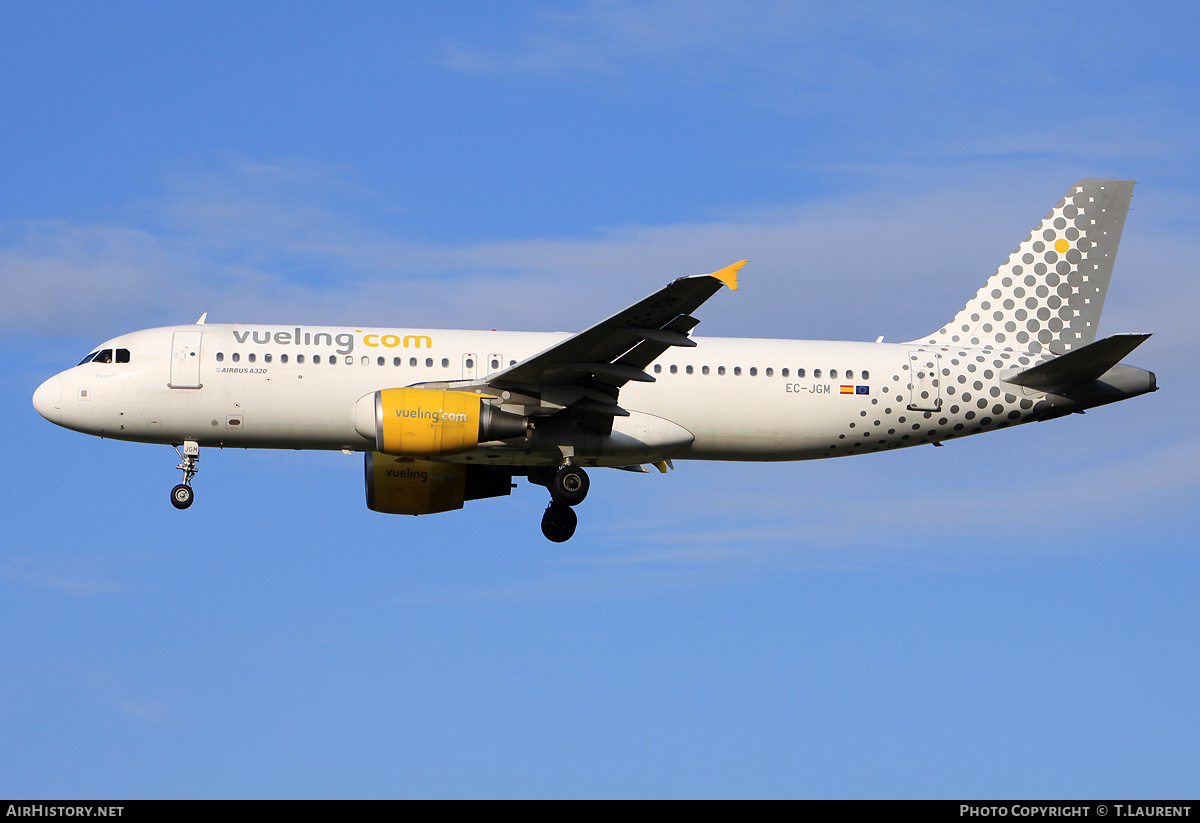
point(344, 341)
point(439, 416)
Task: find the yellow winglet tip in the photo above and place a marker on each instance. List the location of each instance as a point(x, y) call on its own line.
point(728, 275)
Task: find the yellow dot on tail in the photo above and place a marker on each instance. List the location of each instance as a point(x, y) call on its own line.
point(1061, 245)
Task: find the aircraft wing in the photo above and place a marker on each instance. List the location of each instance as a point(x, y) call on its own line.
point(587, 370)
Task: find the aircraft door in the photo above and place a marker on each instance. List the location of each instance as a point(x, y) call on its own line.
point(495, 363)
point(470, 363)
point(924, 381)
point(185, 360)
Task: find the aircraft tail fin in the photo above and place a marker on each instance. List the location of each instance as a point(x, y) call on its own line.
point(1049, 294)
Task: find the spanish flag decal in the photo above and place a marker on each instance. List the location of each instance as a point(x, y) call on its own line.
point(847, 390)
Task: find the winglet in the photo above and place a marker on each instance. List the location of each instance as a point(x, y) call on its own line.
point(728, 275)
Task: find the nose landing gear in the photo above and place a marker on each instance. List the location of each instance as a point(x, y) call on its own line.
point(182, 495)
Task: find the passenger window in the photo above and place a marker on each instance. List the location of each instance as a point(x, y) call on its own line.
point(866, 375)
point(350, 360)
point(380, 361)
point(495, 364)
point(737, 371)
point(704, 369)
point(783, 372)
point(412, 361)
point(512, 362)
point(800, 373)
point(688, 369)
point(333, 359)
point(429, 362)
point(445, 362)
point(220, 358)
point(266, 358)
point(833, 374)
point(122, 355)
point(770, 372)
point(300, 359)
point(849, 374)
point(470, 363)
point(250, 357)
point(657, 368)
point(316, 358)
point(235, 357)
point(283, 358)
point(816, 373)
point(720, 369)
point(754, 371)
point(674, 369)
point(395, 361)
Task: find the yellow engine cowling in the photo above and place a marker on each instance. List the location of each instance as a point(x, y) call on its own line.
point(403, 485)
point(430, 422)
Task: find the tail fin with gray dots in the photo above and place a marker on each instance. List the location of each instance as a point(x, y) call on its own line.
point(1049, 293)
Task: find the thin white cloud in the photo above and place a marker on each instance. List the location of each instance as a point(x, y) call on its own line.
point(790, 52)
point(70, 574)
point(717, 539)
point(298, 247)
point(110, 689)
point(603, 38)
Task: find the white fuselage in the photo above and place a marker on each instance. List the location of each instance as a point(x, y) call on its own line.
point(738, 399)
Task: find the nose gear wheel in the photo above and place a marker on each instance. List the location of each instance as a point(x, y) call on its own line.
point(182, 496)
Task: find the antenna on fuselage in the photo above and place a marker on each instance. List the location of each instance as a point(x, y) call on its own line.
point(200, 322)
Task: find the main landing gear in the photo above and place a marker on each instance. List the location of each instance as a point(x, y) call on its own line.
point(182, 495)
point(559, 522)
point(568, 487)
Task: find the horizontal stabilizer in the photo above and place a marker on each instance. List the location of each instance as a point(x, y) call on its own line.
point(1080, 365)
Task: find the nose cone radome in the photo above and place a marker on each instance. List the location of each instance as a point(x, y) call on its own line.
point(48, 400)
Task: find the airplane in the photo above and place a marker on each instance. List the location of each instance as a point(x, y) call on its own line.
point(445, 417)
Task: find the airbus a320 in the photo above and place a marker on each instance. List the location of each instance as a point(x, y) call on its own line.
point(444, 417)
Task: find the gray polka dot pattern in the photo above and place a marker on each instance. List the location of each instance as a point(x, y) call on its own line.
point(1043, 302)
point(1049, 293)
point(974, 398)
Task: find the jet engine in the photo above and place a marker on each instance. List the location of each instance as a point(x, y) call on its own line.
point(403, 485)
point(430, 422)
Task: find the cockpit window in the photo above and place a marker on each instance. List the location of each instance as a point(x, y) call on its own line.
point(122, 355)
point(103, 356)
point(87, 359)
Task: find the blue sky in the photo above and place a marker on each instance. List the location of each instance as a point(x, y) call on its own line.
point(1013, 615)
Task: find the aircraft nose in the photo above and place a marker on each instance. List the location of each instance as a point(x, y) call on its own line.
point(48, 399)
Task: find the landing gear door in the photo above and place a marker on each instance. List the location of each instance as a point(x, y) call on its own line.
point(924, 383)
point(185, 360)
